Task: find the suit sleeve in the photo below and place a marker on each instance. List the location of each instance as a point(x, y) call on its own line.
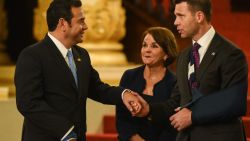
point(124, 120)
point(230, 102)
point(159, 112)
point(234, 69)
point(102, 92)
point(30, 96)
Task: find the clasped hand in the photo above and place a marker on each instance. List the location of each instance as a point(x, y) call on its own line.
point(135, 104)
point(140, 108)
point(181, 119)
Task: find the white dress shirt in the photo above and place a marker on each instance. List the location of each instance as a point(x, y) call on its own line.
point(60, 47)
point(204, 42)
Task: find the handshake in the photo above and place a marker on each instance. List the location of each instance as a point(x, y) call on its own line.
point(135, 103)
point(138, 107)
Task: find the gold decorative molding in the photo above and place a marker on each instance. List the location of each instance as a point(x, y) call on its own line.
point(40, 25)
point(3, 23)
point(4, 58)
point(105, 19)
point(106, 26)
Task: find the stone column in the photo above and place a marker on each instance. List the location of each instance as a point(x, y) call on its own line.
point(3, 31)
point(4, 59)
point(106, 26)
point(40, 25)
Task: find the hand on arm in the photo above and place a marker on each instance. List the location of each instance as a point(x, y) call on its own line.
point(182, 119)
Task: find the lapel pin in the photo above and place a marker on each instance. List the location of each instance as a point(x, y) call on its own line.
point(79, 59)
point(213, 53)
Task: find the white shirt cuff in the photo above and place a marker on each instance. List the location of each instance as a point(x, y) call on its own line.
point(126, 90)
point(67, 133)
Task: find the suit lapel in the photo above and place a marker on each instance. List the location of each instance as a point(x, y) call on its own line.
point(60, 61)
point(208, 57)
point(82, 68)
point(183, 65)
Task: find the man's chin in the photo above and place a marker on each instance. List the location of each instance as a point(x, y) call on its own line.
point(183, 36)
point(79, 41)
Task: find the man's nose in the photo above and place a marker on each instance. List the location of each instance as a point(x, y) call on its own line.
point(84, 26)
point(175, 22)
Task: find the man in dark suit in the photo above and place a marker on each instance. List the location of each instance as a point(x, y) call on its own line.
point(211, 81)
point(54, 77)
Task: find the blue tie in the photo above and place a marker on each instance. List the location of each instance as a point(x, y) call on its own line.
point(72, 65)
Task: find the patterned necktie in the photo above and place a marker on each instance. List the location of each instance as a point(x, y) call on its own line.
point(194, 60)
point(72, 65)
point(196, 55)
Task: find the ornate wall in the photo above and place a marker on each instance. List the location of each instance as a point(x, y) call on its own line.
point(3, 31)
point(106, 26)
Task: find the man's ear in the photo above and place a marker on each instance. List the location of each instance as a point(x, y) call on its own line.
point(62, 24)
point(200, 17)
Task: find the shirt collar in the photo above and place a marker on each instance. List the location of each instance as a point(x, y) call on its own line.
point(206, 39)
point(59, 45)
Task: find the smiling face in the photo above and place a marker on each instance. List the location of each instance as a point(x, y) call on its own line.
point(77, 26)
point(152, 54)
point(186, 20)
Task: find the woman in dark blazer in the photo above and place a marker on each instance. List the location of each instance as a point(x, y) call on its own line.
point(154, 81)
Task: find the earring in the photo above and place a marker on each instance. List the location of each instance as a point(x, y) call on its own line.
point(165, 58)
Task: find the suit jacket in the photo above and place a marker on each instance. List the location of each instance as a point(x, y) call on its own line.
point(47, 96)
point(127, 125)
point(223, 66)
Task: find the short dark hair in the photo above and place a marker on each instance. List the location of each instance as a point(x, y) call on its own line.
point(199, 5)
point(166, 40)
point(60, 9)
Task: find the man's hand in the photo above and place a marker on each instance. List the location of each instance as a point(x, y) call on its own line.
point(131, 101)
point(182, 119)
point(144, 110)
